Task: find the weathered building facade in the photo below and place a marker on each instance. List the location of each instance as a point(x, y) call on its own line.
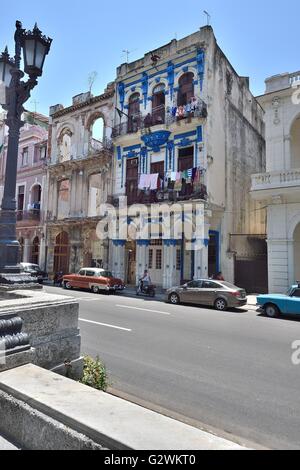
point(79, 180)
point(31, 190)
point(279, 187)
point(187, 129)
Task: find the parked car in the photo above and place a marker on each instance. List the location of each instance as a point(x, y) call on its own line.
point(35, 271)
point(95, 279)
point(218, 294)
point(279, 304)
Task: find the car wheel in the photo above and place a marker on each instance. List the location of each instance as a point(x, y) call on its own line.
point(67, 285)
point(272, 311)
point(95, 290)
point(174, 299)
point(221, 305)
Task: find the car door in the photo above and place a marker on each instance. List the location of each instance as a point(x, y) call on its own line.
point(293, 303)
point(209, 292)
point(79, 280)
point(89, 279)
point(190, 293)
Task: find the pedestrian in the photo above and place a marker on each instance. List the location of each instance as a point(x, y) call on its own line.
point(219, 276)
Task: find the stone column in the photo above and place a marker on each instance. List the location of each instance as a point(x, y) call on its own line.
point(26, 255)
point(141, 258)
point(42, 256)
point(287, 152)
point(169, 263)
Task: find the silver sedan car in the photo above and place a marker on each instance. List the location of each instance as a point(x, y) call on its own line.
point(218, 294)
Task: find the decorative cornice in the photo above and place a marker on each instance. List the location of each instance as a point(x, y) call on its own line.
point(96, 99)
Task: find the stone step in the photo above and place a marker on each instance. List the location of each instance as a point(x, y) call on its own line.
point(6, 445)
point(105, 420)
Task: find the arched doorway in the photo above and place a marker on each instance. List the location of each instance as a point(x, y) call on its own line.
point(297, 253)
point(61, 253)
point(158, 104)
point(186, 89)
point(134, 113)
point(35, 251)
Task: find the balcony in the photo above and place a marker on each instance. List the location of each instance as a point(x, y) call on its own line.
point(188, 193)
point(276, 183)
point(33, 215)
point(160, 116)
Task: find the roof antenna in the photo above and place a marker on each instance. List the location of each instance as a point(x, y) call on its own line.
point(127, 52)
point(208, 17)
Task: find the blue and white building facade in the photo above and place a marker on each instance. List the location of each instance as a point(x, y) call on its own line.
point(187, 132)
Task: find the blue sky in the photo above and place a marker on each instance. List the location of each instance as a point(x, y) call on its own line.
point(260, 38)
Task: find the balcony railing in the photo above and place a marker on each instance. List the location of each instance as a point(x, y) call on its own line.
point(276, 179)
point(159, 116)
point(31, 215)
point(97, 146)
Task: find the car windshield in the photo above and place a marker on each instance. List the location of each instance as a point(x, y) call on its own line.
point(290, 291)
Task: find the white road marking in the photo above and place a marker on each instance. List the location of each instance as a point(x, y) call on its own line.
point(105, 324)
point(142, 309)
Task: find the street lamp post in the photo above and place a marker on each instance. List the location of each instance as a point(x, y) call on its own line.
point(35, 47)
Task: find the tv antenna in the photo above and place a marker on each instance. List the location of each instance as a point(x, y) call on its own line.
point(208, 17)
point(127, 52)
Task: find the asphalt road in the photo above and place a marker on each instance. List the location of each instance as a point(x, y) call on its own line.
point(231, 371)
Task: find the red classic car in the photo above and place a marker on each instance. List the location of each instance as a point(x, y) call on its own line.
point(97, 280)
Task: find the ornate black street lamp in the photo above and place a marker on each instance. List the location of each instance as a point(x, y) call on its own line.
point(35, 47)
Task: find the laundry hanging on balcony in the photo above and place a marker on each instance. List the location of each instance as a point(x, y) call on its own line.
point(149, 182)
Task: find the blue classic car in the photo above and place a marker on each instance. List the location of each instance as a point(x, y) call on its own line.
point(277, 304)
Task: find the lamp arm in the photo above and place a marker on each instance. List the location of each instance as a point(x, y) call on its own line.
point(18, 93)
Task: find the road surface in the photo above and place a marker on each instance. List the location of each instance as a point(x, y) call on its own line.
point(230, 371)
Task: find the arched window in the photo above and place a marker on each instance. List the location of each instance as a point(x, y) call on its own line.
point(134, 113)
point(186, 89)
point(97, 133)
point(36, 198)
point(35, 251)
point(65, 145)
point(158, 104)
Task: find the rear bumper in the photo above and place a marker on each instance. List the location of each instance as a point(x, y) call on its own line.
point(239, 303)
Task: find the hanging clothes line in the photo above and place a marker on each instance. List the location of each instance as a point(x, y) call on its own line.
point(154, 181)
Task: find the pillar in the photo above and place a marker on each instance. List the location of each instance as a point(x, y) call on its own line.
point(26, 256)
point(169, 266)
point(118, 258)
point(141, 258)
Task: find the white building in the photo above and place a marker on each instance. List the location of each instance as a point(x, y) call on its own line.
point(279, 187)
point(157, 133)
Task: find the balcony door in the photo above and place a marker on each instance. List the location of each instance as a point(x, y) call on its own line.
point(132, 174)
point(134, 113)
point(186, 162)
point(158, 105)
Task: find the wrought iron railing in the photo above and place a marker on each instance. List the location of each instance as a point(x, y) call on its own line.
point(30, 215)
point(160, 116)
